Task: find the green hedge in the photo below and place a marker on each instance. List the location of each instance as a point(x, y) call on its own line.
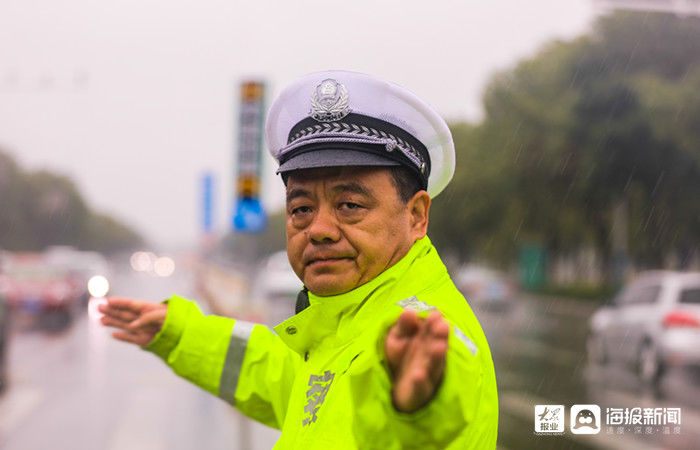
point(579, 291)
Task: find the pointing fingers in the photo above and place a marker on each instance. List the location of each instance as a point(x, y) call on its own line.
point(151, 318)
point(407, 324)
point(119, 314)
point(416, 351)
point(137, 321)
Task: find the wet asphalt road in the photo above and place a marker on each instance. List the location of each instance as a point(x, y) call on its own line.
point(80, 389)
point(538, 346)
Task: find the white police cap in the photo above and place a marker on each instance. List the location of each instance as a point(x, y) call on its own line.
point(340, 118)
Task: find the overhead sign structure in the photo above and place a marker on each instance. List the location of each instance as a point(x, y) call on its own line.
point(249, 215)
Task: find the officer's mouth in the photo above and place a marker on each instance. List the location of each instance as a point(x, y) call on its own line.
point(323, 262)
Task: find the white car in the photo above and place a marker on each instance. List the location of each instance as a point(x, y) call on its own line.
point(651, 325)
point(90, 268)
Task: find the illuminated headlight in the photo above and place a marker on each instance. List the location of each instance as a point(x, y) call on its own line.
point(164, 266)
point(142, 261)
point(98, 286)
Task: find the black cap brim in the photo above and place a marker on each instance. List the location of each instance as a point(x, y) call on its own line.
point(331, 158)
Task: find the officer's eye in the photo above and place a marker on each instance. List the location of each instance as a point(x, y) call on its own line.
point(301, 210)
point(349, 206)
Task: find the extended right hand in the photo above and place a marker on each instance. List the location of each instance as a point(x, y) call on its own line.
point(416, 350)
point(138, 321)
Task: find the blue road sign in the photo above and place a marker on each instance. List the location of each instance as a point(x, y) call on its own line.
point(250, 216)
point(207, 202)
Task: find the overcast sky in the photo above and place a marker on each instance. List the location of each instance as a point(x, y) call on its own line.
point(135, 99)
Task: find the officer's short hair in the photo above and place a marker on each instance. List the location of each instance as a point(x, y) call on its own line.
point(406, 182)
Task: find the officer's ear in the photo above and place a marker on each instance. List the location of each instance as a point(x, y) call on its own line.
point(418, 210)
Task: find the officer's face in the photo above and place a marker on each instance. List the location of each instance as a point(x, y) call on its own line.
point(347, 225)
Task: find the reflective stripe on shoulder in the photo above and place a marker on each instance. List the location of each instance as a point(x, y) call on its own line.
point(468, 342)
point(234, 360)
point(414, 304)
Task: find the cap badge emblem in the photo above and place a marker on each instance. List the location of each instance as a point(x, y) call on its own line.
point(329, 101)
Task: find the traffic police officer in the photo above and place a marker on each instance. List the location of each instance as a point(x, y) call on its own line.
point(383, 351)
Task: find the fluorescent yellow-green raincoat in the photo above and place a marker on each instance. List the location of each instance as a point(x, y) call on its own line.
point(321, 376)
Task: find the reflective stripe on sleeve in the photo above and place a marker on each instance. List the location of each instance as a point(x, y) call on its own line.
point(234, 360)
point(468, 342)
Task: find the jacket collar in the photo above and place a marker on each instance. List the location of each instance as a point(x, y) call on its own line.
point(340, 315)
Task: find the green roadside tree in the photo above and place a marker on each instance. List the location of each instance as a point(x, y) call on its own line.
point(571, 135)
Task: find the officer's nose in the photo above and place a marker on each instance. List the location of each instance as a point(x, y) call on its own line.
point(324, 228)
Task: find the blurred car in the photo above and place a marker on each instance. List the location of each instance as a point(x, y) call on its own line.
point(651, 325)
point(277, 286)
point(33, 286)
point(4, 337)
point(485, 287)
point(83, 267)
